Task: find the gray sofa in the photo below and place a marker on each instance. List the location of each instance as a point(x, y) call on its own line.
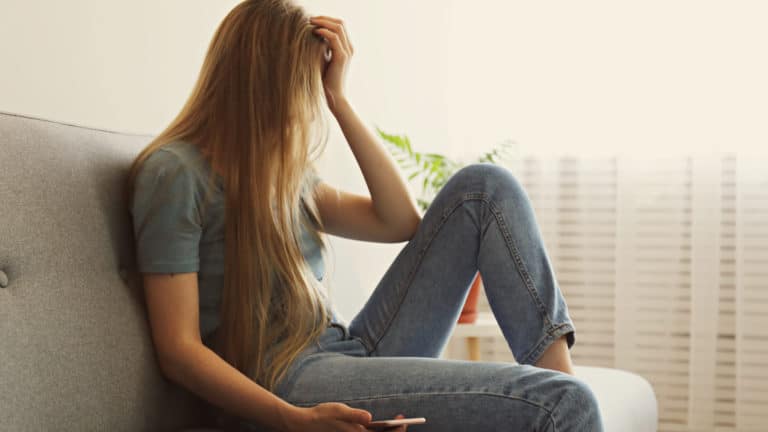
point(75, 347)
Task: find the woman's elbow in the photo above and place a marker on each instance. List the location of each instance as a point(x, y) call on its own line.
point(171, 362)
point(169, 367)
point(410, 229)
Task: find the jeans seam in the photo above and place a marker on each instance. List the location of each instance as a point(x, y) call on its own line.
point(368, 348)
point(511, 246)
point(517, 259)
point(550, 413)
point(538, 348)
point(444, 217)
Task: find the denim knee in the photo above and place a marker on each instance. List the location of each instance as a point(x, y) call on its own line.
point(487, 177)
point(577, 407)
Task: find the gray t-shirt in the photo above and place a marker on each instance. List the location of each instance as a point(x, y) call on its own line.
point(174, 235)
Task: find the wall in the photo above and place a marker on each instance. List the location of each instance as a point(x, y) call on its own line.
point(590, 77)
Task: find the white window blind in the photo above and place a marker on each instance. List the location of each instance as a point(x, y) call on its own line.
point(664, 265)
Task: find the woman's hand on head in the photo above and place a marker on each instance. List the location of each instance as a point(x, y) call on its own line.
point(335, 33)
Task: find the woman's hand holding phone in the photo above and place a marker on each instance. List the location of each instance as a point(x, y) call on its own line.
point(328, 417)
point(333, 417)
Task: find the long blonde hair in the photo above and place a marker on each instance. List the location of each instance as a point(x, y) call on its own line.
point(253, 111)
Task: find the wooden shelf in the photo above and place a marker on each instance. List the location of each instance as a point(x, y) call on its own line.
point(485, 326)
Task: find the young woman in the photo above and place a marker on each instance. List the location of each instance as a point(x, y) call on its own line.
point(228, 212)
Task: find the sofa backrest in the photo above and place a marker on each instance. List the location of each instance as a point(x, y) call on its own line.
point(75, 346)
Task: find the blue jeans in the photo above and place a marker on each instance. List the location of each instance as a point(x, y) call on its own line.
point(385, 361)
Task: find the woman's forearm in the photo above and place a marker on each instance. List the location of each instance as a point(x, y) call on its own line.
point(391, 199)
point(203, 372)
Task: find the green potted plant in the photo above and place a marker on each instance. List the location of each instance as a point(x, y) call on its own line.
point(432, 171)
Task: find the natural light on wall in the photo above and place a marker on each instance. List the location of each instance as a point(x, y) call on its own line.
point(600, 77)
point(642, 142)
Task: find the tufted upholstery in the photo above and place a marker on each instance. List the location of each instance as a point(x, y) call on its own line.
point(75, 347)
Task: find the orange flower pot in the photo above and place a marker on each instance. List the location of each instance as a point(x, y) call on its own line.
point(469, 312)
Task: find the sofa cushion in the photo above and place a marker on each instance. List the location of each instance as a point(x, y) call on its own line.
point(627, 400)
point(75, 346)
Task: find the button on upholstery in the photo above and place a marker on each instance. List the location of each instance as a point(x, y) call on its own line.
point(3, 279)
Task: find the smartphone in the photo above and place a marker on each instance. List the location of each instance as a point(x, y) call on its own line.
point(384, 424)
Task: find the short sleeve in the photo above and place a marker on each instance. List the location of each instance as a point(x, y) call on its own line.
point(166, 219)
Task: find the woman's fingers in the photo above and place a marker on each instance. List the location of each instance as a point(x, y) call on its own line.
point(334, 40)
point(337, 26)
point(343, 426)
point(329, 18)
point(402, 428)
point(346, 413)
point(339, 51)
